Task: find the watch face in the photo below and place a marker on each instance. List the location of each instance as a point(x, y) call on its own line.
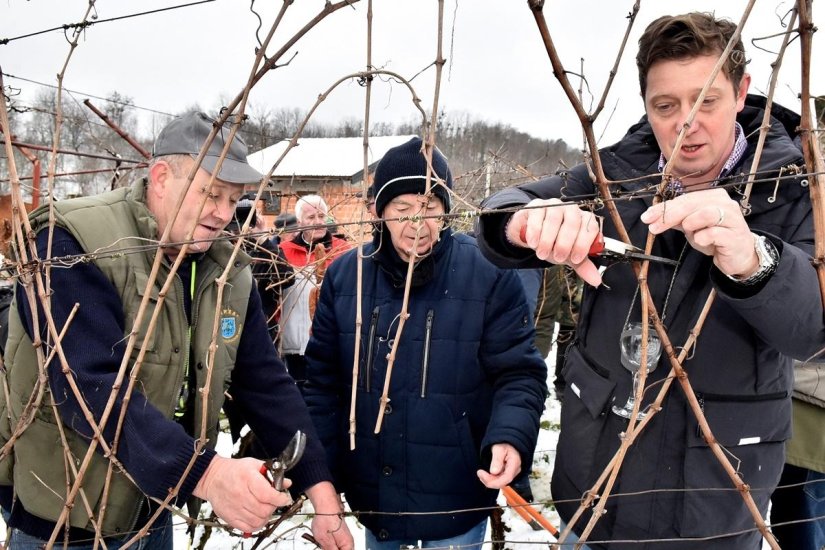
point(766, 252)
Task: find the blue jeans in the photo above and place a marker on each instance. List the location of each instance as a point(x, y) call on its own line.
point(802, 502)
point(572, 538)
point(471, 540)
point(160, 537)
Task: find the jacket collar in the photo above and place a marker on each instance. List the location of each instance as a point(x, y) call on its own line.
point(396, 269)
point(635, 157)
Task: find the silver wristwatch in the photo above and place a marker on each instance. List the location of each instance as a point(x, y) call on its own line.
point(768, 260)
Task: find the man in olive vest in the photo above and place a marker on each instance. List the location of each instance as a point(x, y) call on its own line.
point(173, 354)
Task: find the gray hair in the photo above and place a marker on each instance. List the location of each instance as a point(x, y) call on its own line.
point(310, 200)
point(177, 163)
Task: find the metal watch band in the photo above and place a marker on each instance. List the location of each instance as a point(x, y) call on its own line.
point(768, 260)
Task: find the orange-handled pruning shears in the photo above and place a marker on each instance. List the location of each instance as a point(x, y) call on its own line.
point(527, 512)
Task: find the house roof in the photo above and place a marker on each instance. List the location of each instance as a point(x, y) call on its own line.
point(336, 157)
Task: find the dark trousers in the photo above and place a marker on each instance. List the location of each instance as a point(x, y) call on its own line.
point(803, 501)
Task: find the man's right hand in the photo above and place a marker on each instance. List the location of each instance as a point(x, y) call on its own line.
point(559, 233)
point(239, 494)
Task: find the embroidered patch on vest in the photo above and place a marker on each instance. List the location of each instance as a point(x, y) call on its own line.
point(229, 324)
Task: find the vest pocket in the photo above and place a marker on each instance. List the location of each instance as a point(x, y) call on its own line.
point(143, 341)
point(747, 428)
point(41, 483)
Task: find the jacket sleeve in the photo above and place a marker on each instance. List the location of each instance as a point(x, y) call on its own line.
point(324, 385)
point(154, 450)
point(493, 221)
point(515, 369)
point(270, 402)
point(787, 311)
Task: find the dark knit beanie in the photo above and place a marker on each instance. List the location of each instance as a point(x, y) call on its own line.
point(404, 170)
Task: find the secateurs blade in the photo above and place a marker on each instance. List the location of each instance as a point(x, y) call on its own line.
point(619, 250)
point(274, 468)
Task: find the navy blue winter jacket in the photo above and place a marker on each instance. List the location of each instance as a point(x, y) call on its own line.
point(466, 376)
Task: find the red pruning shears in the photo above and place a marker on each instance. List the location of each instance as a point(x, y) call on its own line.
point(274, 468)
point(615, 249)
point(619, 250)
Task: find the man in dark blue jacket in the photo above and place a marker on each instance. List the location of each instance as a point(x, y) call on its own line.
point(467, 386)
point(755, 257)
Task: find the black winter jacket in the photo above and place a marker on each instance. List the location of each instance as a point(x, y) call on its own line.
point(466, 376)
point(740, 369)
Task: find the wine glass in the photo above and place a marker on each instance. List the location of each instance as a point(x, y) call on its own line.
point(631, 345)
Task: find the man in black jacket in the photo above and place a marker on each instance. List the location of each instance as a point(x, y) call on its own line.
point(756, 258)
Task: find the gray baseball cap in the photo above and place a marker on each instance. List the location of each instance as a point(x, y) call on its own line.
point(186, 135)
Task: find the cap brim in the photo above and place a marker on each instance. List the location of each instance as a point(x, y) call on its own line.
point(231, 171)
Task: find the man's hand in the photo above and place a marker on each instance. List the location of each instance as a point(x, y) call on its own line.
point(559, 233)
point(713, 224)
point(239, 494)
point(328, 525)
point(505, 465)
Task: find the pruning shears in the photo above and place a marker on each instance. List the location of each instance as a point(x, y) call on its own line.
point(618, 250)
point(614, 249)
point(275, 468)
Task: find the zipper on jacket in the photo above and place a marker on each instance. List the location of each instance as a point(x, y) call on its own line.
point(371, 349)
point(425, 360)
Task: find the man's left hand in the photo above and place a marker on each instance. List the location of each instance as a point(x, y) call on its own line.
point(328, 526)
point(505, 465)
point(713, 224)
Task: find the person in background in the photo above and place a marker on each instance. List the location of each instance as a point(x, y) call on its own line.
point(799, 501)
point(285, 225)
point(167, 407)
point(558, 302)
point(371, 202)
point(300, 252)
point(272, 272)
point(467, 387)
point(674, 492)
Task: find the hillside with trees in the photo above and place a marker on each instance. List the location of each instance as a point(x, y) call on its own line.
point(484, 156)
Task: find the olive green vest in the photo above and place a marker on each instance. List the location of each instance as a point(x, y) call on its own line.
point(119, 220)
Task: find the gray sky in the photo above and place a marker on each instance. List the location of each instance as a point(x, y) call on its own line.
point(496, 69)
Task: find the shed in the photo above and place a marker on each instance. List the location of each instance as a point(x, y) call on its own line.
point(330, 167)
